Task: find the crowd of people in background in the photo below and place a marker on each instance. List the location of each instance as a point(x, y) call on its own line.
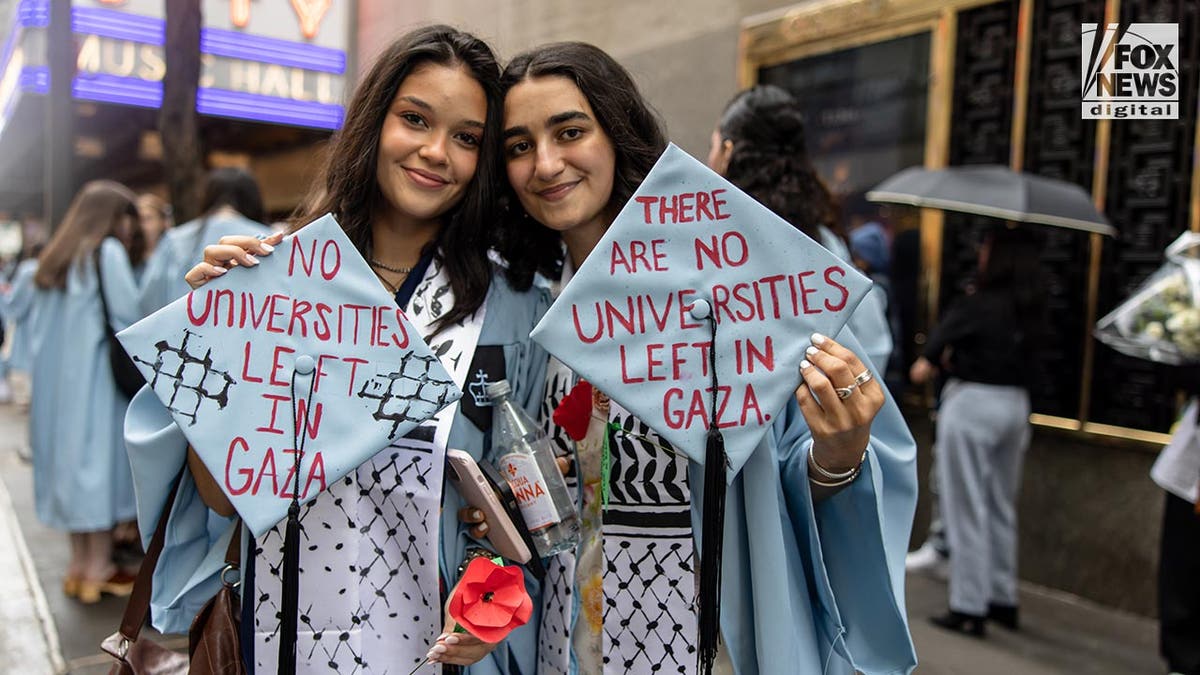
point(112, 260)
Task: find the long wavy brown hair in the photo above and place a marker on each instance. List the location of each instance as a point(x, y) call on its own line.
point(103, 208)
point(348, 189)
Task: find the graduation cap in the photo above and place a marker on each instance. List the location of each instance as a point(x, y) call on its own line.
point(693, 312)
point(288, 376)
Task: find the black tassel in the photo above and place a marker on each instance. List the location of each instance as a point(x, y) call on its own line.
point(713, 541)
point(289, 608)
point(289, 605)
point(712, 527)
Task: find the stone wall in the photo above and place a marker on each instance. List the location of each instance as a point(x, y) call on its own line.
point(682, 54)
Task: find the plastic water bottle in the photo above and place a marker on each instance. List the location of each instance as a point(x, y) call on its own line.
point(526, 461)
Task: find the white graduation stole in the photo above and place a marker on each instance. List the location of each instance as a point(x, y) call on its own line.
point(369, 590)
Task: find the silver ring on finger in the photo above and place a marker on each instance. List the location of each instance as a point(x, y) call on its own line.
point(844, 393)
point(862, 378)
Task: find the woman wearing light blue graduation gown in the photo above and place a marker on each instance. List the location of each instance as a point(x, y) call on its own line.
point(16, 309)
point(817, 585)
point(403, 179)
point(232, 206)
point(835, 563)
point(82, 482)
point(802, 591)
point(194, 552)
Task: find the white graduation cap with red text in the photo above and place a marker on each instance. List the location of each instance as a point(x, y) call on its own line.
point(625, 321)
point(305, 350)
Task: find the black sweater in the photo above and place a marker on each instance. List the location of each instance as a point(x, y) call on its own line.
point(985, 342)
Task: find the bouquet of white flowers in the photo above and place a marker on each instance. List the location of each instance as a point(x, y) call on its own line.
point(1161, 320)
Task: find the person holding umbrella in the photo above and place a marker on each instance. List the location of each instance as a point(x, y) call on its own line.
point(985, 343)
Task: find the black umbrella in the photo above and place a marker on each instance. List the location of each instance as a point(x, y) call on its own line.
point(998, 192)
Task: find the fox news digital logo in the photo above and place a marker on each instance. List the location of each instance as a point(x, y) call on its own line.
point(1130, 71)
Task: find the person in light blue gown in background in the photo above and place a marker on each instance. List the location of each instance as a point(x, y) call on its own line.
point(232, 205)
point(81, 476)
point(16, 310)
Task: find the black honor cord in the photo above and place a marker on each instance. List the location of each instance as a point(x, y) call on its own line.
point(290, 603)
point(712, 527)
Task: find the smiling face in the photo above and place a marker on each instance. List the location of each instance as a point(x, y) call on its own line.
point(560, 161)
point(429, 143)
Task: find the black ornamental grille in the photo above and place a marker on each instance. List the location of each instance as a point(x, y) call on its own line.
point(1149, 183)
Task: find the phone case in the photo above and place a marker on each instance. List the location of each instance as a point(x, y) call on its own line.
point(478, 492)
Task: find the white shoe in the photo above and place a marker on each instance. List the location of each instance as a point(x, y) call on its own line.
point(928, 561)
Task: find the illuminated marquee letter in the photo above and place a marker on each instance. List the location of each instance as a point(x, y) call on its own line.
point(311, 12)
point(239, 12)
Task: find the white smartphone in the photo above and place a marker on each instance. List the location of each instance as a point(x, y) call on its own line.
point(478, 492)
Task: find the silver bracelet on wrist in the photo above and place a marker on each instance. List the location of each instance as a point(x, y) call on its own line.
point(830, 476)
point(835, 484)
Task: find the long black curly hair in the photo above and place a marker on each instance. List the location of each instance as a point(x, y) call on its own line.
point(770, 160)
point(631, 124)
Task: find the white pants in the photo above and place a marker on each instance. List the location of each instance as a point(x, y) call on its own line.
point(982, 435)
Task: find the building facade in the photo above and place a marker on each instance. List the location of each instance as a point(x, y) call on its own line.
point(271, 88)
point(894, 83)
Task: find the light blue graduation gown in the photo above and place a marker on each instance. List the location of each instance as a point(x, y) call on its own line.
point(869, 321)
point(17, 310)
point(817, 588)
point(180, 248)
point(195, 542)
point(81, 475)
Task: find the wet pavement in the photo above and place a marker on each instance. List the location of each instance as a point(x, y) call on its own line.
point(42, 631)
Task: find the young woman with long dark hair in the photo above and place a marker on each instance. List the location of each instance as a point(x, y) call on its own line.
point(411, 179)
point(81, 476)
point(798, 582)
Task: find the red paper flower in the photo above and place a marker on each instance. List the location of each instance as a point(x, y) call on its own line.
point(574, 412)
point(491, 600)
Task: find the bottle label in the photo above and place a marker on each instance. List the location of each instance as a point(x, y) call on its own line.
point(525, 479)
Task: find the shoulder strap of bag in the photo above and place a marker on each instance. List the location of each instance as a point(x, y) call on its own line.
point(103, 301)
point(138, 608)
point(233, 554)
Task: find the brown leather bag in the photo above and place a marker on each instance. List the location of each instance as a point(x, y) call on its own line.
point(214, 643)
point(144, 657)
point(214, 637)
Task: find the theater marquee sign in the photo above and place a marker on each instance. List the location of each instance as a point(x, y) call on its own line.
point(275, 61)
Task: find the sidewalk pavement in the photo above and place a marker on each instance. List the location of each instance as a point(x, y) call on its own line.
point(43, 632)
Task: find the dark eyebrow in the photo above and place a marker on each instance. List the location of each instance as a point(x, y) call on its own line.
point(567, 117)
point(515, 131)
point(417, 102)
point(428, 108)
point(553, 120)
